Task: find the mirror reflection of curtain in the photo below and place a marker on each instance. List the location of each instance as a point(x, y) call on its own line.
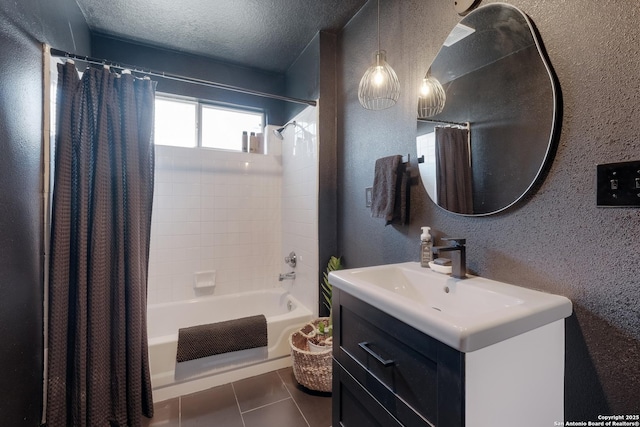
point(98, 368)
point(453, 169)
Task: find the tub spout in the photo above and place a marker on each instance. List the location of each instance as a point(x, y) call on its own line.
point(287, 276)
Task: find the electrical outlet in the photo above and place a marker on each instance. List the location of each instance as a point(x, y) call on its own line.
point(619, 184)
point(368, 196)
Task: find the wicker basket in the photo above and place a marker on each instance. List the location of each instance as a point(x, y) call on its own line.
point(312, 370)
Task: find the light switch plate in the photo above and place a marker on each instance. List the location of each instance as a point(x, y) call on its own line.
point(368, 196)
point(619, 184)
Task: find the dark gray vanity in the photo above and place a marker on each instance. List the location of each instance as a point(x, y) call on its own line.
point(386, 373)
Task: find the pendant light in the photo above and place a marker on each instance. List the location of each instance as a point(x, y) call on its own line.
point(379, 88)
point(432, 97)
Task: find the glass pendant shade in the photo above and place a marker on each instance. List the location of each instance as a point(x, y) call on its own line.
point(432, 97)
point(379, 87)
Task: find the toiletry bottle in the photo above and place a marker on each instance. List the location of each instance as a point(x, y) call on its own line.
point(426, 245)
point(245, 142)
point(262, 147)
point(253, 143)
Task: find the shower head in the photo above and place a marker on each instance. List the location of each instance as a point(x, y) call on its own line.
point(278, 132)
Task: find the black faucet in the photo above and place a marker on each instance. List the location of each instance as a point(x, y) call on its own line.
point(458, 256)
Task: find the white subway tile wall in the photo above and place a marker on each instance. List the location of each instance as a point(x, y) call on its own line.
point(300, 205)
point(214, 210)
point(239, 214)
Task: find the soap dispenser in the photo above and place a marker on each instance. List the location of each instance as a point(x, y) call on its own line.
point(426, 245)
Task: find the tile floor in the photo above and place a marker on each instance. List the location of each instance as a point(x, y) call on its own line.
point(273, 399)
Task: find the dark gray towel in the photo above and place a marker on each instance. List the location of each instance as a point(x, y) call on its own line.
point(222, 337)
point(401, 209)
point(388, 195)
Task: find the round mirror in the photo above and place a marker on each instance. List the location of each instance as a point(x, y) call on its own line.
point(486, 113)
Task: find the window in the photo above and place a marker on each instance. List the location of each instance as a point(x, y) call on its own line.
point(222, 128)
point(185, 123)
point(175, 122)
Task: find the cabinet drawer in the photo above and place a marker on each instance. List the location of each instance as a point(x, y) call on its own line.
point(354, 406)
point(417, 378)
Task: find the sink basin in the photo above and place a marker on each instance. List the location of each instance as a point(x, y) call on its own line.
point(466, 314)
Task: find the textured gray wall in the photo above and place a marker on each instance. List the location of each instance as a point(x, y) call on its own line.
point(23, 26)
point(557, 240)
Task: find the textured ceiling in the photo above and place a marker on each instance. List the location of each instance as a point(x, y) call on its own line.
point(266, 34)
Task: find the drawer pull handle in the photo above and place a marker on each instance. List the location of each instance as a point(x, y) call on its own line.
point(385, 362)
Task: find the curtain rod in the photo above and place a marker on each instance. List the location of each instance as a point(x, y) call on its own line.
point(169, 76)
point(464, 125)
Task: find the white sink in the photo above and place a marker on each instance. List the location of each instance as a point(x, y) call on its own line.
point(466, 314)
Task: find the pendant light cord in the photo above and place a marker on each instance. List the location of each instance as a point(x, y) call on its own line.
point(378, 25)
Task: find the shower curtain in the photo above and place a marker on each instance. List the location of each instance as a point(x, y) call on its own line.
point(98, 369)
point(453, 170)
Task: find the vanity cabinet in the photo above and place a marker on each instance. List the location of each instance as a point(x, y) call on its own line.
point(387, 373)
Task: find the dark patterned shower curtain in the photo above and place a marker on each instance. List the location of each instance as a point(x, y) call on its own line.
point(98, 369)
point(453, 170)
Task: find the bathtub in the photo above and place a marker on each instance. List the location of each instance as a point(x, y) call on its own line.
point(170, 379)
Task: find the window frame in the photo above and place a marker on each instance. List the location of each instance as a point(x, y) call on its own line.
point(198, 121)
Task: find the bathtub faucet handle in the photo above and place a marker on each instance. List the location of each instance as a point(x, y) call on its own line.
point(291, 259)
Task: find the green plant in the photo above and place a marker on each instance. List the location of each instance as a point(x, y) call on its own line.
point(321, 327)
point(335, 263)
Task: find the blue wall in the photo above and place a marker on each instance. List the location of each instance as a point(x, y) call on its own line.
point(185, 64)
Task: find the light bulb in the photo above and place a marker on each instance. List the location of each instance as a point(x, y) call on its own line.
point(424, 89)
point(432, 97)
point(378, 77)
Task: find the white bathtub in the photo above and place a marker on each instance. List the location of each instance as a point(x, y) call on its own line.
point(170, 379)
